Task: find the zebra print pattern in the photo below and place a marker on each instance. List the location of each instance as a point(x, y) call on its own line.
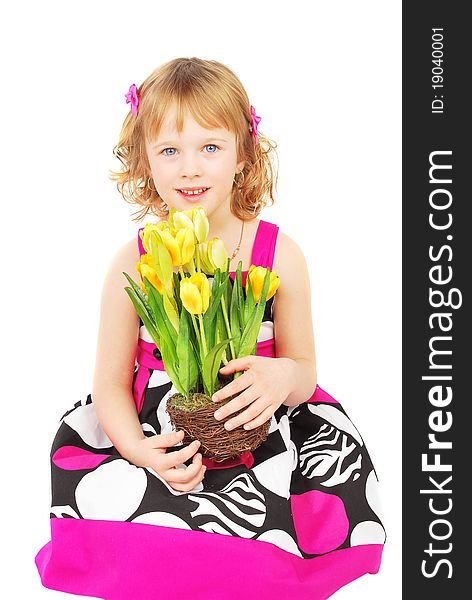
point(330, 456)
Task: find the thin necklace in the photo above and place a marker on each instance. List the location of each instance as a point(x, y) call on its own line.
point(236, 250)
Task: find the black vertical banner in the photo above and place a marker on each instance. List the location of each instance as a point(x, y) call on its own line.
point(437, 360)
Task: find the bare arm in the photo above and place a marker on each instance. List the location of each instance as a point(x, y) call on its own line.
point(293, 327)
point(116, 351)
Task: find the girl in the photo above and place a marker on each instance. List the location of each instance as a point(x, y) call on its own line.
point(135, 514)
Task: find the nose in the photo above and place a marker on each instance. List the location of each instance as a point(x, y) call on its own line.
point(190, 166)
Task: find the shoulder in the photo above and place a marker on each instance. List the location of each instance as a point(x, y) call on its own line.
point(289, 259)
point(293, 298)
point(129, 251)
point(125, 258)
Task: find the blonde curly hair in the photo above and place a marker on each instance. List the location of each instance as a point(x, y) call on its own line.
point(216, 98)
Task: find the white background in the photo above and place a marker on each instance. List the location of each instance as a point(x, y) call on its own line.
point(325, 78)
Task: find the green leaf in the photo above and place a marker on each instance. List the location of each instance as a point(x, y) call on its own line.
point(149, 325)
point(197, 357)
point(170, 309)
point(138, 292)
point(167, 333)
point(235, 312)
point(248, 307)
point(162, 320)
point(187, 363)
point(171, 367)
point(209, 317)
point(211, 366)
point(142, 307)
point(161, 258)
point(177, 291)
point(220, 325)
point(152, 303)
point(251, 330)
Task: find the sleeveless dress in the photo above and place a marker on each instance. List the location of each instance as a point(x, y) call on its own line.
point(296, 518)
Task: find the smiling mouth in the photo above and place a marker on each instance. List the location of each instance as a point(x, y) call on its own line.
point(193, 194)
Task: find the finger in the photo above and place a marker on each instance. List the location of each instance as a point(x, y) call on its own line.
point(256, 409)
point(238, 403)
point(187, 487)
point(173, 459)
point(187, 474)
point(238, 364)
point(237, 385)
point(166, 440)
point(260, 419)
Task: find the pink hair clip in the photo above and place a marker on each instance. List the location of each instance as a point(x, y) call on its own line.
point(255, 120)
point(132, 96)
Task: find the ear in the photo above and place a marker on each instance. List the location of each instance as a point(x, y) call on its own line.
point(240, 166)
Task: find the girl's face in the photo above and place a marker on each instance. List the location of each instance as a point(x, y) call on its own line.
point(197, 158)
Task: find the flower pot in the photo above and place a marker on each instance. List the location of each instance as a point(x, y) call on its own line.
point(195, 417)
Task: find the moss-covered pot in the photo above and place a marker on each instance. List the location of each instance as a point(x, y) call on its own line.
point(195, 417)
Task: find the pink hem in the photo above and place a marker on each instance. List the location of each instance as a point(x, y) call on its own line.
point(120, 560)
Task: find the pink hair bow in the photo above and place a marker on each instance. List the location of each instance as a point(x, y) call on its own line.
point(132, 96)
point(255, 120)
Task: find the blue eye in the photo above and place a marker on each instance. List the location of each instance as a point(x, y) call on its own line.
point(164, 151)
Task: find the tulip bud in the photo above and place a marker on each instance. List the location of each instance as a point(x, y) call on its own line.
point(217, 255)
point(205, 265)
point(182, 220)
point(170, 217)
point(146, 232)
point(255, 278)
point(195, 293)
point(189, 212)
point(163, 225)
point(145, 269)
point(186, 244)
point(163, 250)
point(170, 308)
point(200, 224)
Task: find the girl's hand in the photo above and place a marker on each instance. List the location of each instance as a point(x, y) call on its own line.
point(265, 385)
point(151, 452)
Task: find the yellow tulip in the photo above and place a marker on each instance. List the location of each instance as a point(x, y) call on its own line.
point(194, 218)
point(255, 278)
point(170, 308)
point(170, 217)
point(195, 293)
point(186, 242)
point(171, 245)
point(216, 254)
point(145, 234)
point(188, 212)
point(181, 220)
point(202, 252)
point(145, 269)
point(201, 226)
point(180, 244)
point(163, 225)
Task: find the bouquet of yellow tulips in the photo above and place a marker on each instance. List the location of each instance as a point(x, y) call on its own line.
point(199, 318)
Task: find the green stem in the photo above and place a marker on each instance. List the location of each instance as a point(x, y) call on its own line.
point(202, 332)
point(218, 340)
point(228, 328)
point(195, 326)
